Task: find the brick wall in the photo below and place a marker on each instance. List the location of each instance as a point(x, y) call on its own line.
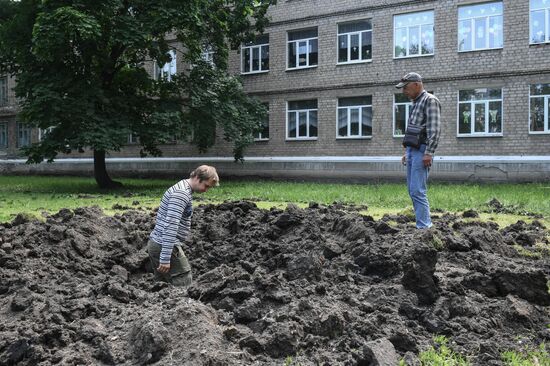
point(511, 68)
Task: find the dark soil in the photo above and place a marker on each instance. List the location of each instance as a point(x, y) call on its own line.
point(323, 285)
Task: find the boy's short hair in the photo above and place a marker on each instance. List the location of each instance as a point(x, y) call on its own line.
point(206, 172)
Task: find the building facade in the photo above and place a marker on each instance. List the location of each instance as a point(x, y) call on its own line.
point(327, 70)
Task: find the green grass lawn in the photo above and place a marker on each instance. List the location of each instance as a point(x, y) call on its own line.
point(37, 194)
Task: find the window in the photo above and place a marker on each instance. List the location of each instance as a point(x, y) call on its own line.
point(3, 135)
point(354, 117)
point(480, 112)
point(207, 54)
point(480, 27)
point(539, 108)
point(263, 134)
point(401, 109)
point(43, 132)
point(3, 91)
point(539, 20)
point(302, 49)
point(413, 34)
point(132, 139)
point(255, 55)
point(168, 70)
point(302, 119)
point(355, 42)
point(23, 134)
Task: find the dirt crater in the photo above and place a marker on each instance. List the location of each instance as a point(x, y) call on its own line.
point(323, 284)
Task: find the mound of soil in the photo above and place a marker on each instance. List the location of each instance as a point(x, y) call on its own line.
point(323, 285)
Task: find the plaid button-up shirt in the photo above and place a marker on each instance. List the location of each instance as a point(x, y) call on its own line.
point(426, 112)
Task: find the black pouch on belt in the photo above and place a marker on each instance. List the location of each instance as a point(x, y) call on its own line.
point(414, 136)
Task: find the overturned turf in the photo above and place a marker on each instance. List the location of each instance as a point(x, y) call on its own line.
point(323, 285)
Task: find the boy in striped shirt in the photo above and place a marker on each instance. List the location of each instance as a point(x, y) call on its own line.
point(173, 225)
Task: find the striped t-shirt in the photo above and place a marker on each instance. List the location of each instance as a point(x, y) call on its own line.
point(173, 219)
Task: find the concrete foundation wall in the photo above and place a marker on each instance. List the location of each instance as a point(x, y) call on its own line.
point(342, 169)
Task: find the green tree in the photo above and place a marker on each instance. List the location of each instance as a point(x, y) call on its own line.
point(80, 72)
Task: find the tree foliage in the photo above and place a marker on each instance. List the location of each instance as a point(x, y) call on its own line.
point(80, 69)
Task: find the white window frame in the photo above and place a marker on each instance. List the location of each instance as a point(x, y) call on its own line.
point(132, 139)
point(43, 131)
point(23, 128)
point(3, 91)
point(258, 136)
point(207, 54)
point(485, 102)
point(297, 113)
point(297, 47)
point(546, 24)
point(487, 23)
point(168, 69)
point(4, 135)
point(349, 34)
point(251, 53)
point(360, 107)
point(419, 25)
point(546, 98)
point(408, 106)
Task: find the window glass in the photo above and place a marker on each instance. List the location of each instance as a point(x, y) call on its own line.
point(255, 55)
point(23, 135)
point(480, 111)
point(539, 108)
point(292, 125)
point(427, 38)
point(302, 119)
point(464, 118)
point(400, 112)
point(401, 40)
point(246, 60)
point(342, 122)
point(3, 90)
point(313, 123)
point(353, 101)
point(302, 34)
point(540, 89)
point(366, 45)
point(495, 117)
point(537, 115)
point(302, 48)
point(538, 26)
point(366, 119)
point(291, 55)
point(354, 27)
point(263, 134)
point(167, 70)
point(414, 34)
point(3, 135)
point(354, 41)
point(302, 104)
point(355, 116)
point(480, 26)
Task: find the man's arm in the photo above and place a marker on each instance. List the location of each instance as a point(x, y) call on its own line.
point(433, 125)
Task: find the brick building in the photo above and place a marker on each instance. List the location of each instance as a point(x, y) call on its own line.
point(327, 70)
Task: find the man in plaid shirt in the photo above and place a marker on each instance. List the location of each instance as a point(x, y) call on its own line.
point(425, 113)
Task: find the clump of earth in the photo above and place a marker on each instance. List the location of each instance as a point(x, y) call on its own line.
point(316, 286)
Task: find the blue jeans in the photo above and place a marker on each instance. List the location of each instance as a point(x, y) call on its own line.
point(417, 178)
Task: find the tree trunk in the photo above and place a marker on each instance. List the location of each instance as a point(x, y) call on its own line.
point(100, 172)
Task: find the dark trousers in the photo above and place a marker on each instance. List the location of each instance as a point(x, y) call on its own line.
point(180, 270)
